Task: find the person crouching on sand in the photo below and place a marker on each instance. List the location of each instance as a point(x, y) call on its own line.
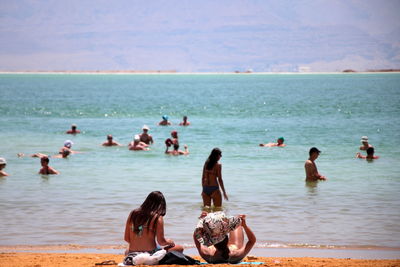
point(212, 181)
point(370, 155)
point(220, 239)
point(3, 164)
point(312, 174)
point(46, 169)
point(145, 227)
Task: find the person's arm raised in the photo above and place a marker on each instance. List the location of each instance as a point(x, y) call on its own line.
point(250, 236)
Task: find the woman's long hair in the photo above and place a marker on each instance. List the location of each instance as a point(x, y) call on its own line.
point(154, 205)
point(223, 248)
point(213, 158)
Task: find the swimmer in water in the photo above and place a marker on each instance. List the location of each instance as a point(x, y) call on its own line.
point(175, 151)
point(137, 145)
point(279, 143)
point(370, 155)
point(73, 130)
point(164, 121)
point(145, 137)
point(3, 164)
point(212, 182)
point(110, 141)
point(311, 168)
point(364, 142)
point(46, 169)
point(184, 122)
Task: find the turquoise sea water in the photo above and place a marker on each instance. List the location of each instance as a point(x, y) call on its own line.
point(359, 206)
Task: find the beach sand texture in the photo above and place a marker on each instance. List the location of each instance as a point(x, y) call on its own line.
point(75, 259)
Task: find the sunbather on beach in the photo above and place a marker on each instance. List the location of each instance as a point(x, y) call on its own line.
point(145, 227)
point(311, 168)
point(46, 169)
point(110, 141)
point(137, 145)
point(212, 181)
point(145, 137)
point(3, 164)
point(73, 130)
point(184, 122)
point(279, 142)
point(164, 121)
point(220, 239)
point(370, 154)
point(175, 151)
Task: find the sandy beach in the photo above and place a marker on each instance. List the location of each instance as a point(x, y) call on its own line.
point(78, 259)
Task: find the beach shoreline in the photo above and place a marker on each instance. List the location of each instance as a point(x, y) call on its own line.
point(79, 259)
point(132, 72)
point(292, 252)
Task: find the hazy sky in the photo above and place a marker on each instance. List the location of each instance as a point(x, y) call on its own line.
point(207, 35)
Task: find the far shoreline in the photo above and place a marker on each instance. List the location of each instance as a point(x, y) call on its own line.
point(190, 73)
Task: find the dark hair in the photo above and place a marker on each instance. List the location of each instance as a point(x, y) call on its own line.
point(154, 205)
point(46, 159)
point(314, 150)
point(223, 247)
point(370, 151)
point(213, 158)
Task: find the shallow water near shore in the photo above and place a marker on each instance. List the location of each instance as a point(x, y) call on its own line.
point(89, 202)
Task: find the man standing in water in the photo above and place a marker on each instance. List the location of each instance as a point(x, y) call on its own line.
point(365, 144)
point(145, 137)
point(312, 174)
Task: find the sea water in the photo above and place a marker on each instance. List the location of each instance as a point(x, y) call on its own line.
point(88, 203)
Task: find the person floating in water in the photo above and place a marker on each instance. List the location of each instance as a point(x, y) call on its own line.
point(279, 142)
point(184, 122)
point(311, 168)
point(46, 169)
point(3, 164)
point(370, 154)
point(110, 141)
point(164, 121)
point(137, 145)
point(212, 182)
point(175, 151)
point(364, 142)
point(73, 130)
point(144, 227)
point(145, 137)
point(220, 239)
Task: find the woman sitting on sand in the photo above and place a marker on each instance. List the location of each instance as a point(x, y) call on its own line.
point(212, 181)
point(145, 224)
point(213, 242)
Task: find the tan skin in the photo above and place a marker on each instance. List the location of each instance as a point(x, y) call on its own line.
point(110, 141)
point(279, 143)
point(3, 173)
point(46, 169)
point(184, 122)
point(178, 152)
point(137, 145)
point(213, 178)
point(365, 146)
point(147, 241)
point(311, 169)
point(73, 130)
point(238, 250)
point(146, 138)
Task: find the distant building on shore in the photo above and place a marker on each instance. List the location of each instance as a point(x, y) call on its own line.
point(303, 69)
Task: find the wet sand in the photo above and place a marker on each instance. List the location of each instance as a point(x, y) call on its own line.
point(80, 259)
